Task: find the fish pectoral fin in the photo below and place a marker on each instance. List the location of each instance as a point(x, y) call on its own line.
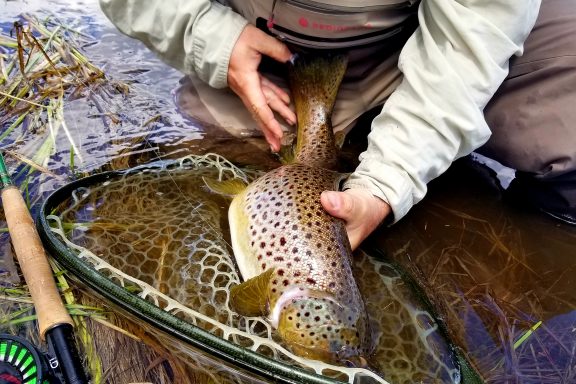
point(251, 297)
point(229, 188)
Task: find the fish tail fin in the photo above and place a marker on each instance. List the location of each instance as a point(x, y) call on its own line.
point(319, 75)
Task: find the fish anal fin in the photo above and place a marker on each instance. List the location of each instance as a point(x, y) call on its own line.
point(251, 297)
point(229, 188)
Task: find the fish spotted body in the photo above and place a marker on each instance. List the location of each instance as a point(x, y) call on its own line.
point(294, 257)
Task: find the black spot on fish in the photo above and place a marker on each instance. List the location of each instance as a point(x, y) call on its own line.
point(310, 280)
point(280, 272)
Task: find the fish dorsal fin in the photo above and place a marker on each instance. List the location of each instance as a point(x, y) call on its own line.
point(251, 297)
point(228, 188)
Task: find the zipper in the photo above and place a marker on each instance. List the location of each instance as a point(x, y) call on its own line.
point(325, 6)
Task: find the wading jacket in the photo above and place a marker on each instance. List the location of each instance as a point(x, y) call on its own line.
point(452, 65)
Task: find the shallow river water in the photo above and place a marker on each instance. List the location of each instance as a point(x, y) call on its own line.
point(492, 271)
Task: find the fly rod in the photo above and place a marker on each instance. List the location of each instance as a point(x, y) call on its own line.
point(54, 322)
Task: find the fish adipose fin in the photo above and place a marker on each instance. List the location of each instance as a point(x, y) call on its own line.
point(286, 154)
point(251, 297)
point(228, 188)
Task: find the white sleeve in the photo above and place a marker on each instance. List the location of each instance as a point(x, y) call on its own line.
point(190, 35)
point(452, 66)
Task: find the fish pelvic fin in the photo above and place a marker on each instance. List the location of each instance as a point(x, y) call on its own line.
point(251, 298)
point(229, 188)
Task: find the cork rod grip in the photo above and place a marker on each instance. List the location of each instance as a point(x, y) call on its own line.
point(33, 262)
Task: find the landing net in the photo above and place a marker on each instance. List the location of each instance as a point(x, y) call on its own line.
point(158, 233)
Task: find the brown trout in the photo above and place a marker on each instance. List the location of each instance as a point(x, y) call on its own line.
point(294, 257)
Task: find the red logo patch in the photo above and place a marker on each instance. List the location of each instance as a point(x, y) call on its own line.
point(303, 22)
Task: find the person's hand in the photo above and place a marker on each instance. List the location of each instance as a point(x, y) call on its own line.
point(259, 94)
point(362, 212)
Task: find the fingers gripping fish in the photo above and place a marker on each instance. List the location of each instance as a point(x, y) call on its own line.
point(294, 257)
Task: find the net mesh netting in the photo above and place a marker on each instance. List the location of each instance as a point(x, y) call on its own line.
point(159, 233)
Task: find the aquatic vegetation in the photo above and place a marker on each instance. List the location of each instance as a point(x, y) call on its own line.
point(42, 68)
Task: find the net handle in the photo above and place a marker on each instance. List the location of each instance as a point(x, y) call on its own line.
point(54, 322)
point(33, 262)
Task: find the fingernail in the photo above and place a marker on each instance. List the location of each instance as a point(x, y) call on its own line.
point(293, 58)
point(332, 199)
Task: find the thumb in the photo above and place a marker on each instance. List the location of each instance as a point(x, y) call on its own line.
point(337, 204)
